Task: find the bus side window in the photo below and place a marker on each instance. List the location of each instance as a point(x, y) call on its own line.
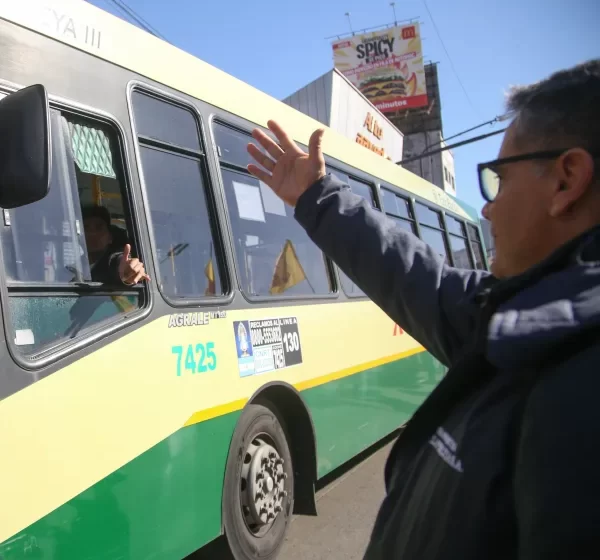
point(275, 255)
point(366, 191)
point(397, 209)
point(174, 172)
point(459, 243)
point(432, 231)
point(477, 247)
point(47, 258)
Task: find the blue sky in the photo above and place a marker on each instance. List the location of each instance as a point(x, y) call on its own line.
point(280, 46)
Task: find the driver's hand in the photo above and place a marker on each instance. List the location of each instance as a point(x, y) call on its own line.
point(131, 271)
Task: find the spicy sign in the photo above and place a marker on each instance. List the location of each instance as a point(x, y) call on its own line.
point(386, 66)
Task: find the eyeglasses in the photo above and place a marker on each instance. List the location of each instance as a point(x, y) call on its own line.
point(489, 181)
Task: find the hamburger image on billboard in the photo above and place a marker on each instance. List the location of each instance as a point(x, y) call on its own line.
point(386, 66)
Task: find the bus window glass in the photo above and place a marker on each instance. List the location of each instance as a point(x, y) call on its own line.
point(428, 216)
point(275, 255)
point(178, 200)
point(477, 247)
point(363, 189)
point(160, 120)
point(51, 250)
point(388, 198)
point(232, 146)
point(404, 224)
point(431, 229)
point(339, 174)
point(460, 252)
point(478, 254)
point(180, 224)
point(455, 226)
point(435, 239)
point(459, 243)
point(366, 191)
point(396, 205)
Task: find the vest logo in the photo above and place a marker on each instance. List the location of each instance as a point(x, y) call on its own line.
point(445, 447)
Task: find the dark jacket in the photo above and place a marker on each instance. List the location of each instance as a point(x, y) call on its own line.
point(501, 461)
point(106, 268)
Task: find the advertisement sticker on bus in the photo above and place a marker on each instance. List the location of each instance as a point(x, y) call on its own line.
point(266, 345)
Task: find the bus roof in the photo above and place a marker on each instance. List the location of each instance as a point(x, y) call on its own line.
point(90, 29)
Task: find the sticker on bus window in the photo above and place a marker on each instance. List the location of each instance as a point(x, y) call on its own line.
point(267, 345)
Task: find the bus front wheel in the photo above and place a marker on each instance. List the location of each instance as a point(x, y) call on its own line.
point(258, 493)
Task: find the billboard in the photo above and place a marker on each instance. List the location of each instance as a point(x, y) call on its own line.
point(386, 66)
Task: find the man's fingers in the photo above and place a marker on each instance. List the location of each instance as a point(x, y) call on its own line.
point(126, 252)
point(315, 153)
point(286, 142)
point(267, 143)
point(261, 158)
point(135, 265)
point(265, 177)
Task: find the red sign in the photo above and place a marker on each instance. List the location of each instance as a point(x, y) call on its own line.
point(409, 33)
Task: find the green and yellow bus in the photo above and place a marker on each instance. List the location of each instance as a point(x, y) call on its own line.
point(143, 422)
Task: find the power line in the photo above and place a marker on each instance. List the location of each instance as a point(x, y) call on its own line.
point(491, 123)
point(464, 142)
point(131, 14)
point(449, 59)
point(144, 23)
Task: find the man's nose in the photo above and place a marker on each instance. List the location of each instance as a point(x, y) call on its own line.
point(485, 211)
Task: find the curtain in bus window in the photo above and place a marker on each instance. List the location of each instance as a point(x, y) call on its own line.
point(44, 241)
point(91, 150)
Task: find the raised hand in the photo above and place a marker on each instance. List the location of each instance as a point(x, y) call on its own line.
point(131, 271)
point(288, 171)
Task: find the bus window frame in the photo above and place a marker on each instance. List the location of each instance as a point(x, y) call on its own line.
point(374, 184)
point(407, 198)
point(107, 327)
point(479, 240)
point(449, 236)
point(213, 197)
point(244, 127)
point(443, 229)
point(444, 213)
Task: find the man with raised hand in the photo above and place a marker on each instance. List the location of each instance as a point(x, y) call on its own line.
point(502, 459)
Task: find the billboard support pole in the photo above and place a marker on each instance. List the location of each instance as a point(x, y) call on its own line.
point(393, 5)
point(347, 14)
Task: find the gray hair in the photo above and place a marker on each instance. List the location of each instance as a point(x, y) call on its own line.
point(560, 112)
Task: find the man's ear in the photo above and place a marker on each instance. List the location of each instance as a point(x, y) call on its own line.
point(575, 170)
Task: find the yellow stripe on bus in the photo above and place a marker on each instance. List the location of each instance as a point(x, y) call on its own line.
point(213, 412)
point(356, 369)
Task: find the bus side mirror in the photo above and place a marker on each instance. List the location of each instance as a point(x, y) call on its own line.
point(25, 147)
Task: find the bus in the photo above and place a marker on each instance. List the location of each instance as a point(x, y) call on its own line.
point(145, 421)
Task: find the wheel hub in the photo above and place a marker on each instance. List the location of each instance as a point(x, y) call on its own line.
point(263, 485)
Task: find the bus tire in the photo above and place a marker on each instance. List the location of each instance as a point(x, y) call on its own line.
point(258, 491)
